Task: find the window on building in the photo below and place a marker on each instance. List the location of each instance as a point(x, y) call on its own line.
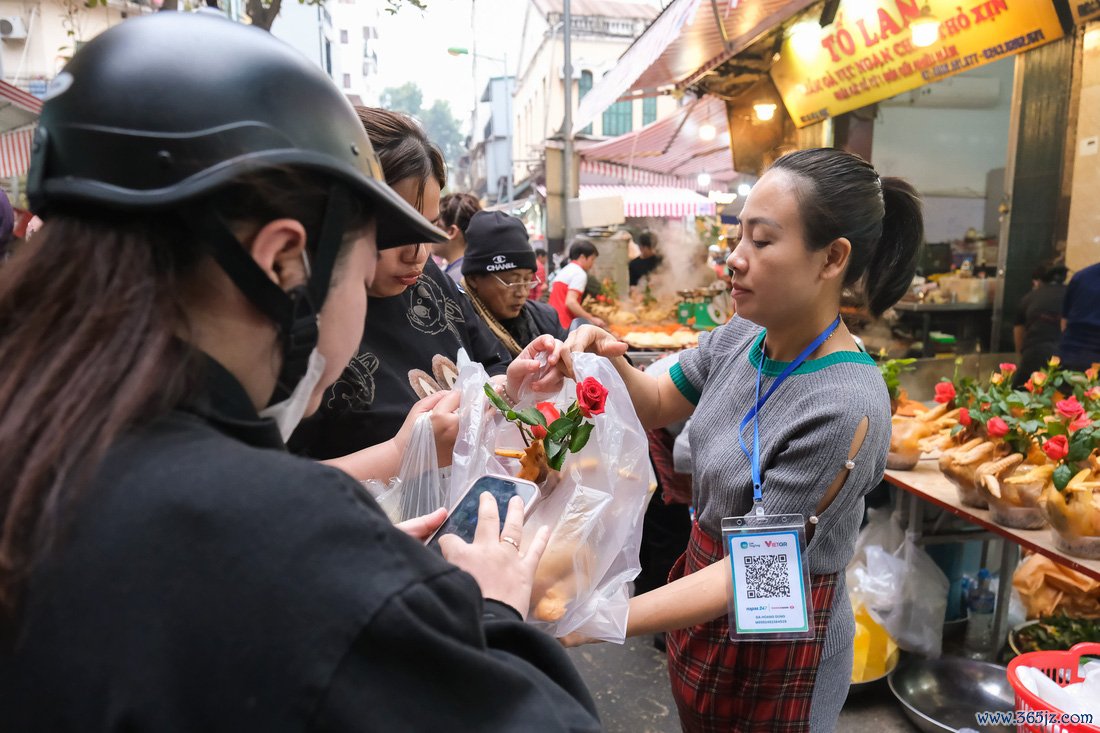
point(618, 119)
point(649, 110)
point(328, 58)
point(343, 36)
point(584, 86)
point(347, 81)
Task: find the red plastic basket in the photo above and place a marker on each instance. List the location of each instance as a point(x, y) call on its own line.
point(1063, 668)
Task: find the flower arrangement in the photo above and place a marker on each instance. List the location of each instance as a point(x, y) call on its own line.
point(555, 432)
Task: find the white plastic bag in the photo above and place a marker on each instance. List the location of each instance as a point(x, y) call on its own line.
point(418, 488)
point(900, 585)
point(595, 510)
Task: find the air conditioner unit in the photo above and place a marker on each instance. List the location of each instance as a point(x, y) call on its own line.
point(957, 92)
point(12, 28)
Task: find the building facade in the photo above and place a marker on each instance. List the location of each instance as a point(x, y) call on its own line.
point(356, 33)
point(601, 31)
point(490, 175)
point(38, 38)
point(310, 30)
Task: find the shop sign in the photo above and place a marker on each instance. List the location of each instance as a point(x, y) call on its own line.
point(1084, 10)
point(868, 55)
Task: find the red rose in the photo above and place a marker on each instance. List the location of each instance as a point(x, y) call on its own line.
point(1082, 422)
point(591, 396)
point(1056, 448)
point(945, 392)
point(964, 417)
point(1070, 408)
point(996, 427)
point(1008, 368)
point(550, 412)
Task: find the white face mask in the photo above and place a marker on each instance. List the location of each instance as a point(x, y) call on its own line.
point(288, 413)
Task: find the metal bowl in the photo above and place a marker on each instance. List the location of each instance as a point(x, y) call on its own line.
point(943, 694)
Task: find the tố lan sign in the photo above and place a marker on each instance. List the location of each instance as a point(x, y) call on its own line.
point(868, 53)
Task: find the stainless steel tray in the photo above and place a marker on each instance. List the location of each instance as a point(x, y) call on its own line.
point(943, 694)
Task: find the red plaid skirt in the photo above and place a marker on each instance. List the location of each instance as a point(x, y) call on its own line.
point(724, 685)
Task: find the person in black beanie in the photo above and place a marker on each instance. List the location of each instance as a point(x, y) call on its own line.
point(498, 272)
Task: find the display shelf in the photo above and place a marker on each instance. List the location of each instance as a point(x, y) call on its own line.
point(928, 483)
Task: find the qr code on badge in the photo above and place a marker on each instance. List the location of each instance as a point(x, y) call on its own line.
point(766, 576)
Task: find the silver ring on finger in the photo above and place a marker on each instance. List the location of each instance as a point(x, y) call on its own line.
point(511, 541)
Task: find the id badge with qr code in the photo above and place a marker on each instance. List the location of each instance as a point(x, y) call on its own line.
point(769, 599)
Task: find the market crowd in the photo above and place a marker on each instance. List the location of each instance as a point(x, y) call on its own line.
point(245, 294)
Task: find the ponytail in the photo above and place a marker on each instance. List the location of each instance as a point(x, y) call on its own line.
point(841, 196)
point(894, 260)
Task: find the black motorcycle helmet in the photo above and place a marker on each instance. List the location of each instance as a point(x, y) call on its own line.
point(164, 110)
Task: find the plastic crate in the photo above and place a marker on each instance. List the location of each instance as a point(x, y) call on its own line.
point(1063, 668)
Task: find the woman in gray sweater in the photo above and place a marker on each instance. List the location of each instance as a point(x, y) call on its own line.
point(818, 221)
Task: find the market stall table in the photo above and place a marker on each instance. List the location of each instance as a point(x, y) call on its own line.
point(964, 315)
point(927, 483)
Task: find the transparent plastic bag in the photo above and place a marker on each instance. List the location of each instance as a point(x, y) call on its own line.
point(920, 608)
point(418, 488)
point(900, 584)
point(594, 507)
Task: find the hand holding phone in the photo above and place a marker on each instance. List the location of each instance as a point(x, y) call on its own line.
point(503, 569)
point(462, 520)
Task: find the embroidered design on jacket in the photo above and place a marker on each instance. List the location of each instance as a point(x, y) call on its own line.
point(354, 390)
point(431, 311)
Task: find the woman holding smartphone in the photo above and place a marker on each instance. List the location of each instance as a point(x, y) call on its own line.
point(817, 222)
point(165, 564)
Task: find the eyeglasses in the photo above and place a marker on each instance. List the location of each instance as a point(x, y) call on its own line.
point(520, 286)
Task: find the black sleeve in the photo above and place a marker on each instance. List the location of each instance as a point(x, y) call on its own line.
point(480, 343)
point(485, 348)
point(433, 658)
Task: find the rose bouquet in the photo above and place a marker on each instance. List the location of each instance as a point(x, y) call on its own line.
point(594, 504)
point(550, 434)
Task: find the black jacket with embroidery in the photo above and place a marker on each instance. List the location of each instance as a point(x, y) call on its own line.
point(372, 398)
point(209, 581)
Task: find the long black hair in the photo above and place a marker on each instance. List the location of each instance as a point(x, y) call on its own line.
point(841, 195)
point(93, 337)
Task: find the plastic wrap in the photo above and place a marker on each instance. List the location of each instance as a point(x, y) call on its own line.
point(418, 488)
point(900, 585)
point(594, 506)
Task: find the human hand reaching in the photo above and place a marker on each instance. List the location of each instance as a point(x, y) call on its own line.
point(502, 567)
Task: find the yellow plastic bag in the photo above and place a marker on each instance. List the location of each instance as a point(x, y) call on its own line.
point(875, 652)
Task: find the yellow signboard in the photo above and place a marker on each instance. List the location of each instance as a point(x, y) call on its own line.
point(1084, 10)
point(868, 54)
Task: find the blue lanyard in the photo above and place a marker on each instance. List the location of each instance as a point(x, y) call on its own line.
point(754, 412)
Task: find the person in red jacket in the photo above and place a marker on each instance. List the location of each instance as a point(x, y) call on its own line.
point(567, 287)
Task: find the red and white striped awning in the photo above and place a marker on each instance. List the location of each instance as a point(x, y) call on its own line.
point(654, 201)
point(673, 145)
point(15, 152)
point(603, 173)
point(17, 107)
point(18, 112)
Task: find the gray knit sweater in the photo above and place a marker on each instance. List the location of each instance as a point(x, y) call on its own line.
point(806, 431)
